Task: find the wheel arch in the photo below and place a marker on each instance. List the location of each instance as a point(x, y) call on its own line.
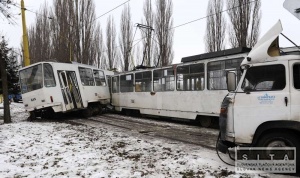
point(278, 126)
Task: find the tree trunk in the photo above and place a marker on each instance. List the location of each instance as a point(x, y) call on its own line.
point(7, 118)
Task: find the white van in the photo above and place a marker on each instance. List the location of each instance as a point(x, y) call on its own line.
point(263, 109)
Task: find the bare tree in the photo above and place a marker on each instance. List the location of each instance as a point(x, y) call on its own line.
point(164, 33)
point(215, 26)
point(62, 30)
point(148, 43)
point(6, 12)
point(126, 37)
point(86, 25)
point(72, 31)
point(39, 36)
point(138, 55)
point(100, 61)
point(111, 44)
point(245, 21)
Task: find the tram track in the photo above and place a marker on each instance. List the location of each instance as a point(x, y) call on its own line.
point(204, 137)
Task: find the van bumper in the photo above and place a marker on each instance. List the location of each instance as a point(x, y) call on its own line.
point(223, 146)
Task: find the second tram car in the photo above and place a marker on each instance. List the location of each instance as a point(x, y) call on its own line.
point(193, 89)
point(52, 87)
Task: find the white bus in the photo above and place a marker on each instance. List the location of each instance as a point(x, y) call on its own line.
point(193, 89)
point(52, 87)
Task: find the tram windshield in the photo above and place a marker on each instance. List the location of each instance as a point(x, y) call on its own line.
point(31, 78)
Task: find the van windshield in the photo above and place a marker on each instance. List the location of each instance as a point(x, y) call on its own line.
point(31, 78)
point(265, 78)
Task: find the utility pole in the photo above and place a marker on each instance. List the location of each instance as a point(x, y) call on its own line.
point(25, 37)
point(7, 118)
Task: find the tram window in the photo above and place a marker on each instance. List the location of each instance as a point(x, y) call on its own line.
point(126, 83)
point(190, 77)
point(216, 73)
point(86, 76)
point(109, 81)
point(143, 81)
point(49, 79)
point(296, 74)
point(164, 80)
point(115, 84)
point(99, 78)
point(31, 78)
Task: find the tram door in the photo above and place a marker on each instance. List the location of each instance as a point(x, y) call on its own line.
point(74, 88)
point(65, 89)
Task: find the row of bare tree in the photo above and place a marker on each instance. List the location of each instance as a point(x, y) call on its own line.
point(243, 28)
point(69, 31)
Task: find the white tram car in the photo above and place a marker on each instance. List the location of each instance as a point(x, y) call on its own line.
point(193, 89)
point(52, 87)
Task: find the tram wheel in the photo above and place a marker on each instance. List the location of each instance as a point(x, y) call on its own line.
point(100, 110)
point(50, 114)
point(88, 112)
point(205, 121)
point(31, 116)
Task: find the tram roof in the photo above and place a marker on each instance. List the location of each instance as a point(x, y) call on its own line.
point(226, 52)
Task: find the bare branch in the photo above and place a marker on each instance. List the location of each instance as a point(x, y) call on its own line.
point(111, 44)
point(164, 33)
point(215, 26)
point(126, 37)
point(245, 21)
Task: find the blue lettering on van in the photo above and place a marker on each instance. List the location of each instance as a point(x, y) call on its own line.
point(266, 99)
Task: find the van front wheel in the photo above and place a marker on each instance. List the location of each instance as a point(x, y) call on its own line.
point(278, 140)
point(281, 139)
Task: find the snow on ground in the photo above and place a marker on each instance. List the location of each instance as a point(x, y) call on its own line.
point(53, 149)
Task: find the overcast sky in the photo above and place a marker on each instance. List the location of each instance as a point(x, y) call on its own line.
point(188, 39)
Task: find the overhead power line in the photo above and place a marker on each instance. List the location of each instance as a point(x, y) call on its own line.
point(111, 10)
point(26, 9)
point(212, 15)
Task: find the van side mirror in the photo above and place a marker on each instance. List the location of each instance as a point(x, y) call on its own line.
point(231, 81)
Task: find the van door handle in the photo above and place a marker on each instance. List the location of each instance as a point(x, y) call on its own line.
point(286, 101)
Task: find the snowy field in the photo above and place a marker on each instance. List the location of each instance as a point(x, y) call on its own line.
point(53, 149)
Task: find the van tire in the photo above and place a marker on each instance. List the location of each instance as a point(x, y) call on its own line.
point(281, 139)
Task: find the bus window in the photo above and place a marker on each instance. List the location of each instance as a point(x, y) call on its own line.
point(31, 78)
point(99, 78)
point(115, 84)
point(164, 80)
point(86, 76)
point(190, 77)
point(143, 81)
point(126, 83)
point(49, 79)
point(216, 73)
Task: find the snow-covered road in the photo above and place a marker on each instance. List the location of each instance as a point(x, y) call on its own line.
point(52, 149)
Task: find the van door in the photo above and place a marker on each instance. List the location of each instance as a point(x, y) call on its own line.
point(263, 96)
point(295, 90)
point(65, 90)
